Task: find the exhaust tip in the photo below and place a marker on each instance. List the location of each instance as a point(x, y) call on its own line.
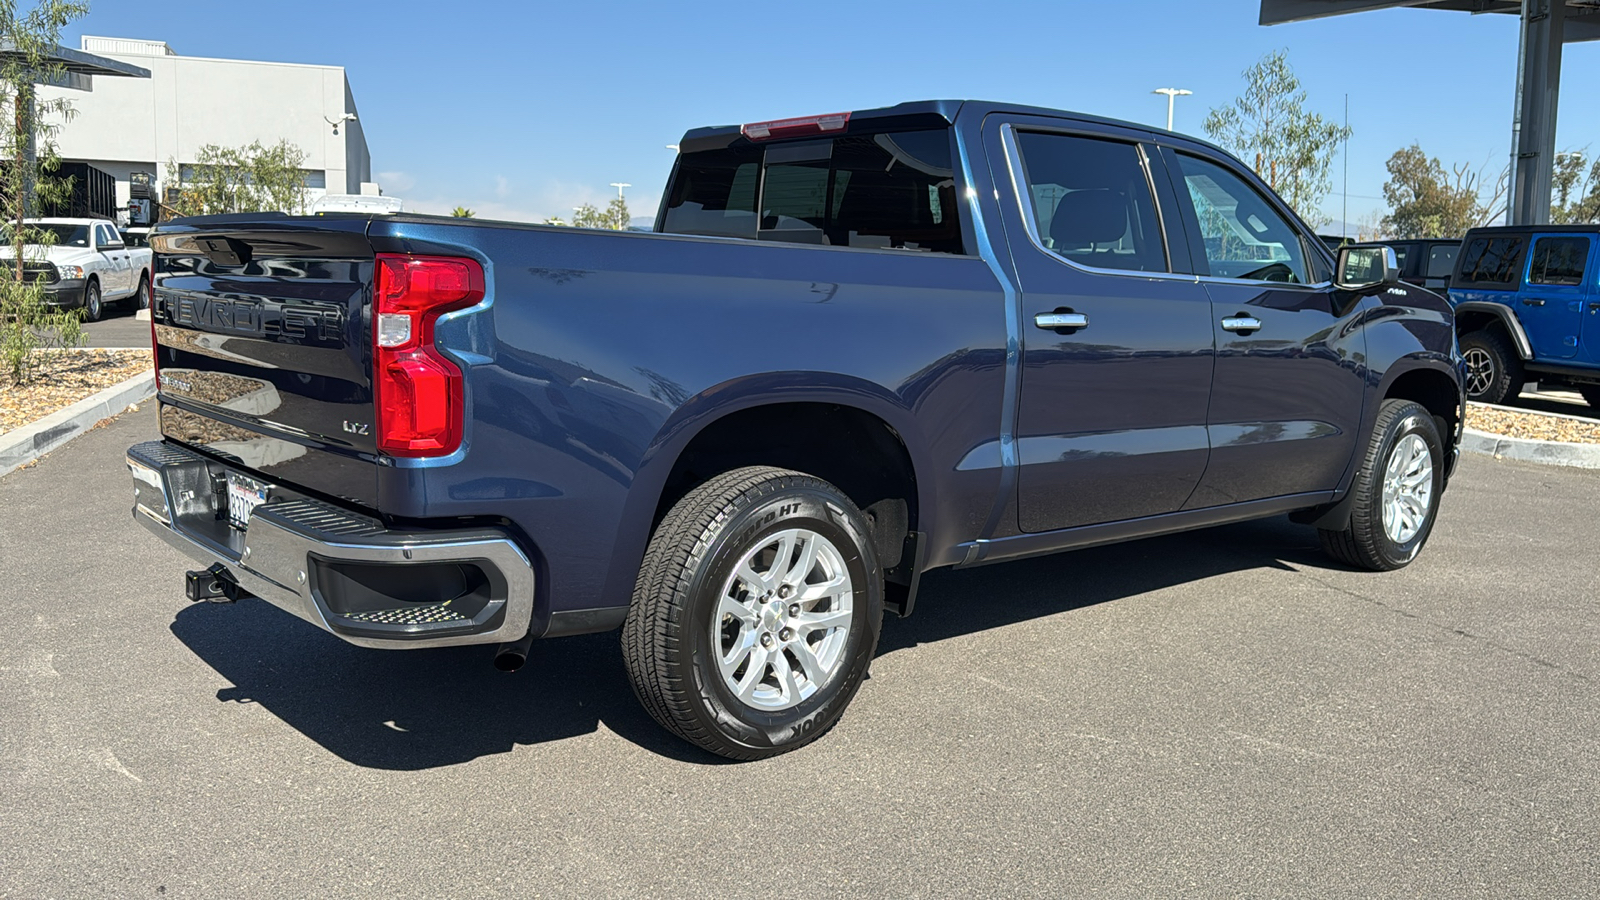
point(510, 660)
point(509, 657)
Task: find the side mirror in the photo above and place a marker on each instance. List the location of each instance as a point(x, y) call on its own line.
point(1359, 268)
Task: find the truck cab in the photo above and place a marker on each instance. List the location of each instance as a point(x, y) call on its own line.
point(1527, 303)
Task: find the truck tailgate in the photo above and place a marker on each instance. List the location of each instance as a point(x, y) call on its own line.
point(262, 341)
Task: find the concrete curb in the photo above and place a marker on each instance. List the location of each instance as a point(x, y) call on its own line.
point(1550, 453)
point(26, 444)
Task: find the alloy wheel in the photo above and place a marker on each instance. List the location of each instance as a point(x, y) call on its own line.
point(783, 620)
point(1407, 488)
point(1480, 371)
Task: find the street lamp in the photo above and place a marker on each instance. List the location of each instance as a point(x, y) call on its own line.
point(619, 185)
point(1172, 94)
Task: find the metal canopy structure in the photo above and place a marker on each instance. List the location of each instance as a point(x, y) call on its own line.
point(77, 70)
point(1547, 25)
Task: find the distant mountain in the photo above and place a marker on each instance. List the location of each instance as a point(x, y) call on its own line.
point(1342, 229)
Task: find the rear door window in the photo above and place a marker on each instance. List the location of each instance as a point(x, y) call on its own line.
point(1558, 260)
point(1490, 261)
point(892, 190)
point(1092, 202)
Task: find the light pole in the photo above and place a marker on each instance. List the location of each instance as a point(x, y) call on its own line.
point(619, 185)
point(1172, 94)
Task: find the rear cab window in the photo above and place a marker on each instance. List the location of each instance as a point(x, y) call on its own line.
point(890, 190)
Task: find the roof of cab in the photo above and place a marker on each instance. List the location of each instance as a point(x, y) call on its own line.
point(928, 113)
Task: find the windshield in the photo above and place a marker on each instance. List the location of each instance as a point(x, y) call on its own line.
point(65, 235)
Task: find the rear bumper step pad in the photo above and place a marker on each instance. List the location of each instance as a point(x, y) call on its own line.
point(331, 566)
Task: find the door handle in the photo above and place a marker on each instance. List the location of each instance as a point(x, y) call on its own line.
point(1241, 324)
point(1526, 301)
point(1053, 320)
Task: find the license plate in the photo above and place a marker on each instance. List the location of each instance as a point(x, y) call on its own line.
point(244, 495)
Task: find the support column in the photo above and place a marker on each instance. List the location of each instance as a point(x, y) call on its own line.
point(1539, 86)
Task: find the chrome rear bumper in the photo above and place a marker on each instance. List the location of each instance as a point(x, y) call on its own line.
point(337, 569)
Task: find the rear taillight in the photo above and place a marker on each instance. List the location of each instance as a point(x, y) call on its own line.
point(419, 399)
point(788, 128)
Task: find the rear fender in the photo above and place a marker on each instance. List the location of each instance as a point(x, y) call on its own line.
point(727, 398)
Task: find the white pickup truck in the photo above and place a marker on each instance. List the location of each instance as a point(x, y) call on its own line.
point(87, 265)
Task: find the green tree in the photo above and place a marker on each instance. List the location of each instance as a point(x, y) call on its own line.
point(587, 216)
point(1575, 197)
point(462, 212)
point(252, 178)
point(27, 324)
point(1291, 148)
point(1426, 201)
point(614, 217)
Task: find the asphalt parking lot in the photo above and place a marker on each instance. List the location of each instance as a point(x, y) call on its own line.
point(120, 326)
point(1223, 713)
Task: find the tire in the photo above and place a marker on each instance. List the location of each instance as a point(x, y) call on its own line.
point(1494, 370)
point(1591, 395)
point(673, 656)
point(1378, 538)
point(93, 304)
point(141, 298)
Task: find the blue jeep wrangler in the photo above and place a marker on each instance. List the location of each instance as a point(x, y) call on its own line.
point(1527, 302)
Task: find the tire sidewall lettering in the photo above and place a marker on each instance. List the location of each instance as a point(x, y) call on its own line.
point(790, 507)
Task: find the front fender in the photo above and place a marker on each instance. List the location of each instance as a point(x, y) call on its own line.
point(1506, 317)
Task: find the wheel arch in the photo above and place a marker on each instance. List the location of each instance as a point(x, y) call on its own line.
point(1436, 387)
point(790, 420)
point(1423, 378)
point(1473, 315)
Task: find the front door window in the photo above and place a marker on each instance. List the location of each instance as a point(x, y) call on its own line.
point(1244, 236)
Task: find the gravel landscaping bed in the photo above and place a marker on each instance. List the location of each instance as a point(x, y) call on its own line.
point(1531, 425)
point(62, 378)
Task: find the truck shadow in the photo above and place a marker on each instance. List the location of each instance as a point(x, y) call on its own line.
point(413, 710)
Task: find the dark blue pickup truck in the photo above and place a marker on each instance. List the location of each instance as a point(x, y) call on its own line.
point(862, 346)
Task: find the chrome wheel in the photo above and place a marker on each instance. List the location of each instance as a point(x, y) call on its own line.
point(783, 620)
point(1407, 488)
point(1480, 371)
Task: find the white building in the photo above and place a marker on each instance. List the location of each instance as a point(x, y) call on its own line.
point(128, 125)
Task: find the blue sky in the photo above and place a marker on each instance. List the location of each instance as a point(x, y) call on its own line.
point(524, 109)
